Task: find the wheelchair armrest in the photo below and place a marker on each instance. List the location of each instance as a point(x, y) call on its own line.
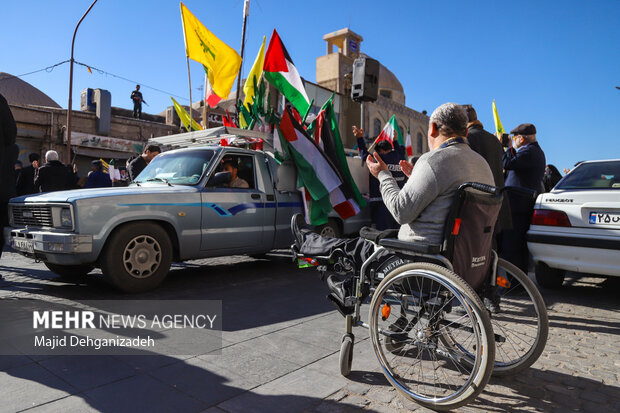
point(394, 243)
point(375, 235)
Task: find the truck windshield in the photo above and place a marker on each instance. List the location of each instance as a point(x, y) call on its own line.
point(183, 168)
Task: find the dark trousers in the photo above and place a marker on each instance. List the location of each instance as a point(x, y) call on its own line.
point(137, 110)
point(4, 221)
point(382, 217)
point(356, 249)
point(514, 243)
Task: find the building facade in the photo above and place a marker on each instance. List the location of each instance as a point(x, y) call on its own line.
point(334, 72)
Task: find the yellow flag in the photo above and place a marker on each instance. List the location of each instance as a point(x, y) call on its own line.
point(186, 119)
point(499, 129)
point(255, 73)
point(202, 46)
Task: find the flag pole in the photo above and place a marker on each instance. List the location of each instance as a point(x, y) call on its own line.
point(246, 12)
point(189, 79)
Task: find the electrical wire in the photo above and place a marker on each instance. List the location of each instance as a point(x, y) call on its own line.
point(101, 71)
point(48, 69)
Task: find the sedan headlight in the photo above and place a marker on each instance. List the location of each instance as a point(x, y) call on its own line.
point(66, 220)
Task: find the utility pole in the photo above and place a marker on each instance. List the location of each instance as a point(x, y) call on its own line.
point(71, 86)
point(246, 12)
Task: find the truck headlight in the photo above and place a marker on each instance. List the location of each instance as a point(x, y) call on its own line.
point(65, 218)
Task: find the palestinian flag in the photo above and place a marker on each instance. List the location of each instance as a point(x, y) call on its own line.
point(280, 71)
point(314, 171)
point(346, 199)
point(391, 131)
point(408, 145)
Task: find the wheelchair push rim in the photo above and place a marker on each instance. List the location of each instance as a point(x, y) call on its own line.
point(419, 356)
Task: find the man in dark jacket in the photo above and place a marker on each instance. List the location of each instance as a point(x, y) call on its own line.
point(525, 164)
point(136, 165)
point(25, 180)
point(53, 176)
point(490, 148)
point(97, 178)
point(381, 216)
point(8, 156)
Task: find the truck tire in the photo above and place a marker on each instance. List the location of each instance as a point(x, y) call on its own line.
point(69, 271)
point(330, 229)
point(548, 277)
point(137, 257)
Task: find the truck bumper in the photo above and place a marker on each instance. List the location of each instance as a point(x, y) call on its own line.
point(49, 246)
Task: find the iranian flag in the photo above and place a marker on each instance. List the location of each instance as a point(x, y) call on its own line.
point(391, 131)
point(280, 71)
point(408, 145)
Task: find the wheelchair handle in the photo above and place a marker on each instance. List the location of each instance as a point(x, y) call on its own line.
point(489, 189)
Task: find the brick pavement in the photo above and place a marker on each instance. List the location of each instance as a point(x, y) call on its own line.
point(284, 355)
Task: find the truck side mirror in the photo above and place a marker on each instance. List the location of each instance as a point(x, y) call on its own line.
point(219, 179)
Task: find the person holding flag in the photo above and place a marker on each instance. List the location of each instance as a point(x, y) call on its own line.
point(392, 156)
point(421, 206)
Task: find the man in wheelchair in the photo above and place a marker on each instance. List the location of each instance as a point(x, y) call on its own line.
point(421, 207)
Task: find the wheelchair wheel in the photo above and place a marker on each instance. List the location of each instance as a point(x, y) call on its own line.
point(430, 353)
point(346, 354)
point(521, 325)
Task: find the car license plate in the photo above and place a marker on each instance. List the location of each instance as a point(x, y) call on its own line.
point(604, 218)
point(23, 245)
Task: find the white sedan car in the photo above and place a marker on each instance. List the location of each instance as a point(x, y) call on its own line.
point(576, 226)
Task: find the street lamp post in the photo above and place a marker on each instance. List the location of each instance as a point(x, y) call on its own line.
point(71, 86)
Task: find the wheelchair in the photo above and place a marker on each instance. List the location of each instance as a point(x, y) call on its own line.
point(442, 318)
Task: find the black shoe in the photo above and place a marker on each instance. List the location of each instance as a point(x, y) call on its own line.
point(341, 289)
point(297, 223)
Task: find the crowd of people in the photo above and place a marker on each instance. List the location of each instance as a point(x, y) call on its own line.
point(414, 199)
point(418, 205)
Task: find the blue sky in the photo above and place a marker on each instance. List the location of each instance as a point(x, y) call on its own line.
point(551, 63)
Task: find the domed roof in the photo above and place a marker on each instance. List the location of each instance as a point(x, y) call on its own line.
point(388, 80)
point(19, 92)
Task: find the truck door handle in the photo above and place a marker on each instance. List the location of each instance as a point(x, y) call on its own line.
point(255, 196)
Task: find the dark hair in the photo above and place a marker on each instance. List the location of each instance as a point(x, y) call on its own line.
point(152, 148)
point(34, 157)
point(384, 146)
point(471, 112)
point(230, 162)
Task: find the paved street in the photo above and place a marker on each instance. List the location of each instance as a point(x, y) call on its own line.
point(280, 351)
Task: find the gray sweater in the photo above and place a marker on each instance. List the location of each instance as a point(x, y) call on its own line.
point(422, 206)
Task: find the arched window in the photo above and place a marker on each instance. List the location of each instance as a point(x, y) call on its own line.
point(420, 143)
point(376, 127)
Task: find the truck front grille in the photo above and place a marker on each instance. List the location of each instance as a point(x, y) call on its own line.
point(32, 216)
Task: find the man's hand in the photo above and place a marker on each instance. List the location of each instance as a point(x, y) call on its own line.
point(376, 164)
point(357, 132)
point(406, 167)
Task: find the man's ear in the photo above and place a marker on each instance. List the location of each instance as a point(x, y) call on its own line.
point(433, 130)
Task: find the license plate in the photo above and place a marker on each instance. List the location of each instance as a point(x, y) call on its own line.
point(604, 218)
point(23, 245)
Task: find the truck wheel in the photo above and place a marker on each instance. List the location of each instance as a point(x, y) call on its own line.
point(548, 277)
point(69, 271)
point(331, 229)
point(137, 257)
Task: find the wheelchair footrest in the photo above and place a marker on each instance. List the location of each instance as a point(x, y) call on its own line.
point(343, 309)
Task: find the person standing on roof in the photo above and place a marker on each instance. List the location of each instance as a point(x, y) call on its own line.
point(136, 97)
